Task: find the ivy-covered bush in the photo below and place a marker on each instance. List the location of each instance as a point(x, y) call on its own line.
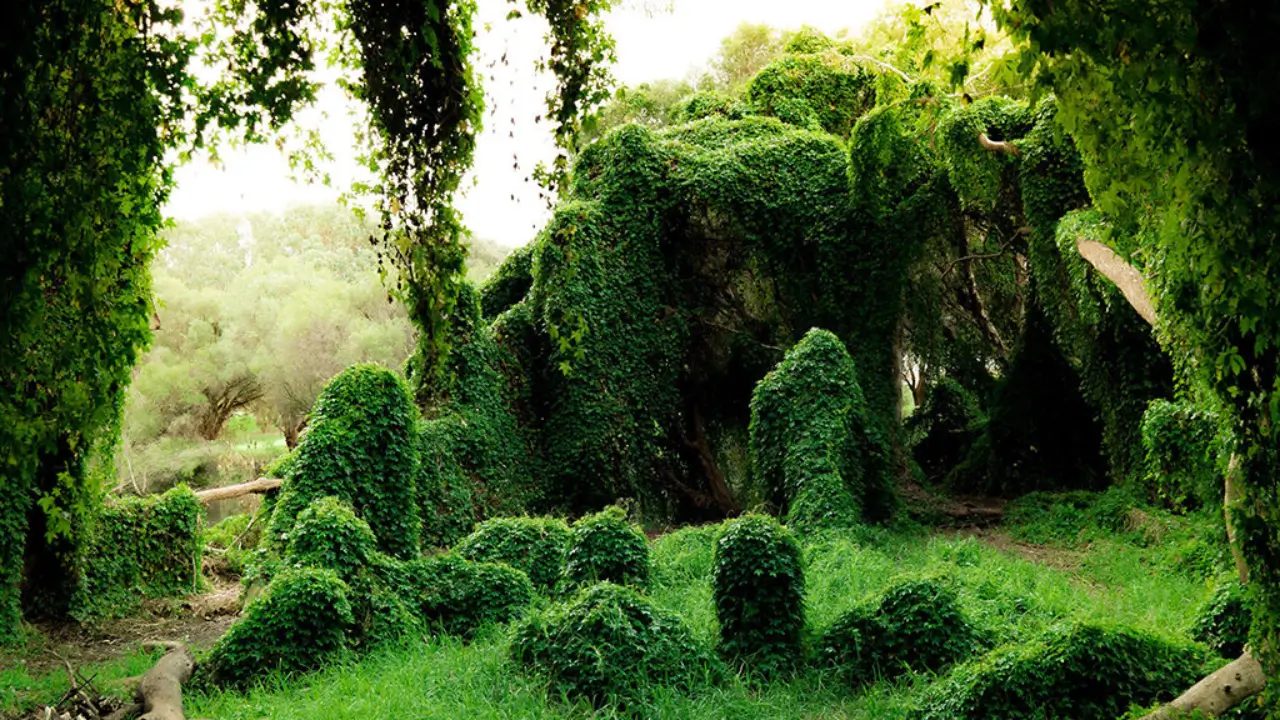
point(684, 556)
point(509, 282)
point(328, 534)
point(611, 644)
point(758, 582)
point(834, 90)
point(1222, 622)
point(299, 624)
point(361, 449)
point(1182, 446)
point(917, 626)
point(816, 448)
point(537, 546)
point(140, 548)
point(1082, 672)
point(606, 548)
point(459, 597)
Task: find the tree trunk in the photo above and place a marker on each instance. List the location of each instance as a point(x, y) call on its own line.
point(262, 484)
point(1234, 683)
point(159, 695)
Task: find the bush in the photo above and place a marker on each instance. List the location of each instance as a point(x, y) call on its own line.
point(1182, 447)
point(139, 548)
point(917, 626)
point(459, 597)
point(611, 644)
point(813, 434)
point(329, 535)
point(537, 546)
point(838, 94)
point(607, 548)
point(945, 428)
point(758, 582)
point(509, 282)
point(299, 624)
point(1222, 622)
point(361, 449)
point(1082, 672)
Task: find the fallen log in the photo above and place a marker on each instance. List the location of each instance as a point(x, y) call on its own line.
point(1217, 693)
point(159, 695)
point(262, 484)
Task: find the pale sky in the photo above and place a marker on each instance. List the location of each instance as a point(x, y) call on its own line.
point(668, 45)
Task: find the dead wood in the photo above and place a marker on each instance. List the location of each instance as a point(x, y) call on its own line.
point(262, 484)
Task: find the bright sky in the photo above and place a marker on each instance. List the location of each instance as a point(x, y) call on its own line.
point(499, 204)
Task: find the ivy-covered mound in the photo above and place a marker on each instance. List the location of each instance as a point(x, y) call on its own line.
point(1082, 672)
point(140, 548)
point(1222, 622)
point(611, 644)
point(676, 268)
point(916, 626)
point(360, 449)
point(758, 582)
point(538, 546)
point(606, 548)
point(817, 450)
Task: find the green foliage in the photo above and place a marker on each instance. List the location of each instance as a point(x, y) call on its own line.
point(610, 644)
point(817, 450)
point(297, 625)
point(140, 548)
point(684, 556)
point(606, 548)
point(460, 597)
point(509, 283)
point(834, 91)
point(976, 173)
point(945, 427)
point(328, 534)
point(360, 450)
point(1182, 444)
point(536, 546)
point(917, 626)
point(1222, 622)
point(758, 582)
point(1083, 671)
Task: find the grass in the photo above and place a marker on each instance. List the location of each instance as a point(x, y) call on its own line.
point(1116, 576)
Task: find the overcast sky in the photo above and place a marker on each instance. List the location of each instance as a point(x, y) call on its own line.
point(499, 204)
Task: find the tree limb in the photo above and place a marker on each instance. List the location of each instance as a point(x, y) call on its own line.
point(1125, 276)
point(999, 146)
point(262, 484)
point(1226, 688)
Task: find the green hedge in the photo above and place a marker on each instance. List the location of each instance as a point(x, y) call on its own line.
point(139, 548)
point(916, 626)
point(817, 451)
point(362, 449)
point(537, 546)
point(1082, 672)
point(458, 597)
point(612, 645)
point(300, 623)
point(606, 548)
point(758, 582)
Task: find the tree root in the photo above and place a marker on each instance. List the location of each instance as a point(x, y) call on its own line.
point(159, 695)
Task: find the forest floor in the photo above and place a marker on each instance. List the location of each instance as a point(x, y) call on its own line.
point(1015, 573)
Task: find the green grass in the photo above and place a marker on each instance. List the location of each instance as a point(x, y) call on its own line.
point(1118, 578)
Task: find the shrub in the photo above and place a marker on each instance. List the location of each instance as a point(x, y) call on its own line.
point(812, 432)
point(459, 597)
point(299, 624)
point(838, 94)
point(509, 282)
point(1222, 622)
point(607, 548)
point(537, 546)
point(361, 449)
point(612, 644)
point(329, 535)
point(945, 427)
point(917, 626)
point(758, 583)
point(1082, 672)
point(1182, 446)
point(138, 548)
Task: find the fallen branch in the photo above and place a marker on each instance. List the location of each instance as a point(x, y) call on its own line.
point(1231, 685)
point(262, 484)
point(999, 146)
point(159, 695)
